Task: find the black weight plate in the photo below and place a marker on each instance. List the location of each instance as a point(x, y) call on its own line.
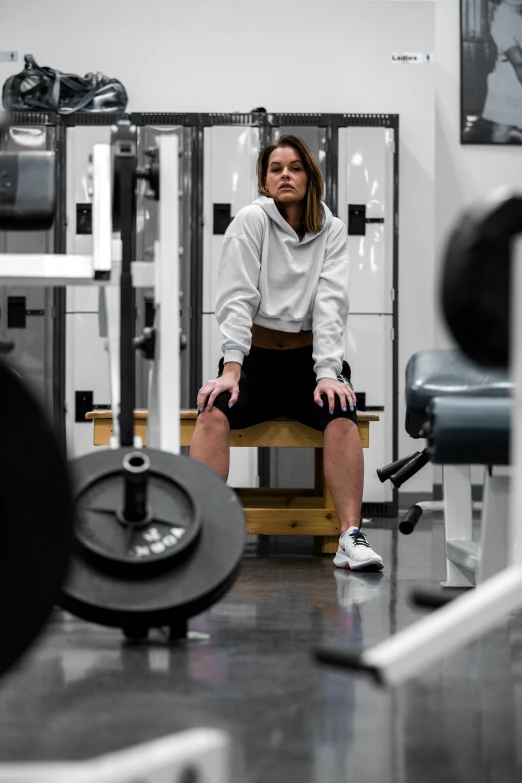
point(173, 525)
point(476, 279)
point(36, 512)
point(188, 588)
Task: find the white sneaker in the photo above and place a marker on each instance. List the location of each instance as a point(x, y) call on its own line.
point(355, 552)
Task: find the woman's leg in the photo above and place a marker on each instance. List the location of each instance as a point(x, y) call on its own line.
point(344, 470)
point(210, 443)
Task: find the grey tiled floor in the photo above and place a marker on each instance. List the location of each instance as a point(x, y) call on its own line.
point(82, 691)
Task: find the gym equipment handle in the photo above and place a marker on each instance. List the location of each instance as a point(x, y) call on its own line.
point(409, 522)
point(383, 474)
point(410, 469)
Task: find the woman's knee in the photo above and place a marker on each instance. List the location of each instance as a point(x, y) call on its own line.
point(213, 419)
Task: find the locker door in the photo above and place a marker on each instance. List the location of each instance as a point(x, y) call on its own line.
point(87, 367)
point(369, 352)
point(314, 137)
point(26, 312)
point(365, 204)
point(230, 183)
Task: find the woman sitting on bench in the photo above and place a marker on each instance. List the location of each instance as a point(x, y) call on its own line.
point(282, 307)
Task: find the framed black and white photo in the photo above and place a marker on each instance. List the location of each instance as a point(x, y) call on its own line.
point(491, 71)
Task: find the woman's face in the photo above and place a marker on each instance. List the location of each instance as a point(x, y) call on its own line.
point(286, 179)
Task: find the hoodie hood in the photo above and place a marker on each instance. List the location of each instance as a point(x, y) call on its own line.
point(269, 206)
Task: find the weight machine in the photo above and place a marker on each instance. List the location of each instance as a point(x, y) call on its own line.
point(137, 538)
point(481, 296)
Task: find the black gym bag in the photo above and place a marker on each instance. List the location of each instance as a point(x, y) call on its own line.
point(37, 89)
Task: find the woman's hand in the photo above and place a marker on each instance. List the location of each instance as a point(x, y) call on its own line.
point(209, 392)
point(331, 387)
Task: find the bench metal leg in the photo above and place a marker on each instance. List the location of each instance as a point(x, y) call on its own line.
point(457, 520)
point(495, 527)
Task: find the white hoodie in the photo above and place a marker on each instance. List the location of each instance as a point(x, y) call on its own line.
point(268, 277)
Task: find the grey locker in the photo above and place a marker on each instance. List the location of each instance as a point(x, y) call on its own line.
point(26, 313)
point(87, 368)
point(314, 137)
point(229, 183)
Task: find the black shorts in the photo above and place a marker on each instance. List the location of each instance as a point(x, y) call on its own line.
point(280, 383)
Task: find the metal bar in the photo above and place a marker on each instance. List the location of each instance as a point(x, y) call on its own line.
point(59, 293)
point(109, 320)
point(468, 617)
point(395, 317)
point(127, 299)
point(193, 755)
point(196, 256)
point(102, 211)
point(45, 270)
point(167, 291)
point(515, 515)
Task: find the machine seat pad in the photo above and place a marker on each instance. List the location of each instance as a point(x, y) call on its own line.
point(442, 373)
point(472, 431)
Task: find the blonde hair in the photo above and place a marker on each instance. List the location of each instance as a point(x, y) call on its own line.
point(312, 213)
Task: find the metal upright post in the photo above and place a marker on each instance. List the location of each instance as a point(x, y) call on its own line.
point(125, 162)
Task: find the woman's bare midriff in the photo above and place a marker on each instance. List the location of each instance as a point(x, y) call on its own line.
point(271, 338)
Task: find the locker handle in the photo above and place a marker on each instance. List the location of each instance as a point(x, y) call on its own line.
point(16, 312)
point(357, 220)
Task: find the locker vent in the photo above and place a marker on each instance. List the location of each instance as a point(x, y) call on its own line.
point(231, 119)
point(379, 120)
point(32, 118)
point(163, 118)
point(88, 118)
point(379, 510)
point(296, 119)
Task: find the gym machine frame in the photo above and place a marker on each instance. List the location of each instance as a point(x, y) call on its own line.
point(142, 516)
point(192, 754)
point(416, 648)
point(102, 271)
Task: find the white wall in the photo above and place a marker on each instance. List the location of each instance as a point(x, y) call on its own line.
point(289, 55)
point(464, 172)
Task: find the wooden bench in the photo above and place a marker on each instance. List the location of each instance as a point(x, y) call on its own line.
point(276, 512)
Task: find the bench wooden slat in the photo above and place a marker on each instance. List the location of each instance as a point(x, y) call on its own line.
point(192, 413)
point(291, 434)
point(292, 522)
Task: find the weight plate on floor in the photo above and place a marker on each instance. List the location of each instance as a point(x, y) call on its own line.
point(172, 527)
point(477, 281)
point(36, 512)
point(172, 588)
